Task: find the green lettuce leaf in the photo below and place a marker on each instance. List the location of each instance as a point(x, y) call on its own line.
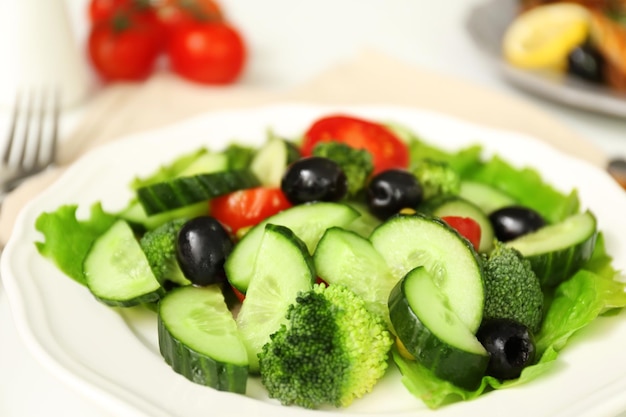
point(68, 239)
point(527, 187)
point(169, 171)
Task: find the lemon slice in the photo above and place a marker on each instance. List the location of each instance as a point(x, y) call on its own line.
point(541, 38)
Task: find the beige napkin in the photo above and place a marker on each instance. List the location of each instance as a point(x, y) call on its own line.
point(369, 78)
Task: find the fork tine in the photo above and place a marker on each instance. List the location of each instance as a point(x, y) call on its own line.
point(56, 112)
point(41, 113)
point(21, 161)
point(12, 129)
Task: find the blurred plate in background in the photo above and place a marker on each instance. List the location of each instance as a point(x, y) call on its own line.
point(487, 24)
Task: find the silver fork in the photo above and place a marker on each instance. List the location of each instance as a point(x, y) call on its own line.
point(32, 140)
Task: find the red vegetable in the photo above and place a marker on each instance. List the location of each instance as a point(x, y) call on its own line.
point(248, 207)
point(125, 47)
point(175, 14)
point(210, 53)
point(467, 227)
point(387, 150)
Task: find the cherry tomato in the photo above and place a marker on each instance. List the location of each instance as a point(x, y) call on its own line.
point(174, 14)
point(387, 150)
point(125, 47)
point(467, 227)
point(248, 207)
point(210, 53)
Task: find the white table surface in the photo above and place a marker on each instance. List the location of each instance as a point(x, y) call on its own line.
point(292, 42)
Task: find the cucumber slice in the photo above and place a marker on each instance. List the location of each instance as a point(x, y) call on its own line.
point(430, 330)
point(183, 191)
point(198, 338)
point(271, 161)
point(485, 196)
point(206, 164)
point(409, 241)
point(558, 250)
point(346, 258)
point(457, 206)
point(136, 215)
point(116, 270)
point(283, 268)
point(307, 221)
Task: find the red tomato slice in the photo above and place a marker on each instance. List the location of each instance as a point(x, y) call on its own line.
point(248, 207)
point(467, 227)
point(387, 150)
point(240, 296)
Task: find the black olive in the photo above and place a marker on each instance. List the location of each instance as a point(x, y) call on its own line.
point(587, 63)
point(202, 248)
point(314, 179)
point(510, 344)
point(392, 190)
point(514, 221)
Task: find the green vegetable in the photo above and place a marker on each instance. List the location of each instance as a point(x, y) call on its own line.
point(512, 290)
point(238, 156)
point(432, 333)
point(355, 163)
point(171, 170)
point(331, 351)
point(116, 270)
point(437, 178)
point(198, 338)
point(527, 188)
point(577, 302)
point(67, 240)
point(159, 245)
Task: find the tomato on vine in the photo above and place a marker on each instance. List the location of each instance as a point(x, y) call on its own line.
point(124, 47)
point(210, 53)
point(174, 14)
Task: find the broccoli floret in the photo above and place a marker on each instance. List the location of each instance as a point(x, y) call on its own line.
point(436, 178)
point(159, 245)
point(331, 351)
point(356, 163)
point(512, 290)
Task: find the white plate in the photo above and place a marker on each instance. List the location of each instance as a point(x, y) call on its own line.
point(487, 24)
point(112, 355)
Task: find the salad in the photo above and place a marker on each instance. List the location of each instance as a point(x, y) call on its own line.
point(274, 249)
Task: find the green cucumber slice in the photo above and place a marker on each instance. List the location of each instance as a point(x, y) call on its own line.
point(198, 338)
point(485, 196)
point(558, 250)
point(427, 326)
point(457, 206)
point(271, 161)
point(282, 269)
point(183, 191)
point(346, 258)
point(409, 241)
point(116, 270)
point(206, 164)
point(135, 214)
point(307, 221)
